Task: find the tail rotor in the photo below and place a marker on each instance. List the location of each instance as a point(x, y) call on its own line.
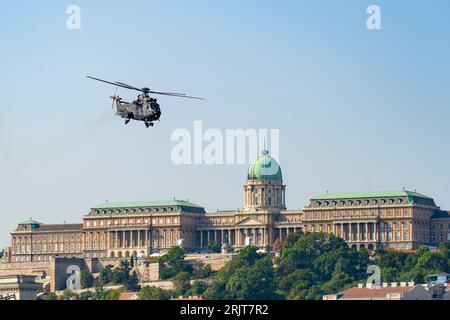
point(114, 98)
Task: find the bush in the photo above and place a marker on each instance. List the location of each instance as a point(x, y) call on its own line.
point(182, 283)
point(86, 279)
point(198, 288)
point(201, 271)
point(106, 275)
point(154, 293)
point(50, 296)
point(215, 247)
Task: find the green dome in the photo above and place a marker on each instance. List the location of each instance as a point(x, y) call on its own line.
point(265, 168)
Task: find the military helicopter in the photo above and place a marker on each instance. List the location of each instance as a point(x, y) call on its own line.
point(144, 108)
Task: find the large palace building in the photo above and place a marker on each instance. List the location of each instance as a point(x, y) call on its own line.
point(402, 220)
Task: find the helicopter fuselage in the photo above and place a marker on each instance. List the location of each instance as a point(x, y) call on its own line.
point(138, 111)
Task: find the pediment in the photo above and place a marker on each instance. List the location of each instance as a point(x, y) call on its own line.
point(250, 222)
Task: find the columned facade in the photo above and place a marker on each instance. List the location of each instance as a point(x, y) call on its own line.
point(401, 220)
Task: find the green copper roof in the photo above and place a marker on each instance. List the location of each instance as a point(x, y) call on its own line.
point(265, 168)
point(381, 194)
point(146, 204)
point(30, 221)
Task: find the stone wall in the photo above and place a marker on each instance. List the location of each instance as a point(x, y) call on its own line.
point(215, 261)
point(26, 268)
point(59, 271)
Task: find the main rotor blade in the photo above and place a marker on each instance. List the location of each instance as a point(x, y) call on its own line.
point(178, 95)
point(112, 83)
point(128, 86)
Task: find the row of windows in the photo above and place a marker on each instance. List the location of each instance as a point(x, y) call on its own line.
point(358, 202)
point(325, 215)
point(441, 226)
point(47, 248)
point(155, 221)
point(134, 211)
point(440, 237)
point(95, 255)
point(48, 238)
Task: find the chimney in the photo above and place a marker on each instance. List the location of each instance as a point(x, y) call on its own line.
point(361, 285)
point(411, 284)
point(403, 284)
point(394, 284)
point(385, 284)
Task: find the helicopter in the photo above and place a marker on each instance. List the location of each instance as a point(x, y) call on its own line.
point(144, 108)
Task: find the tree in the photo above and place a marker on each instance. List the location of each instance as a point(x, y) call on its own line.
point(106, 275)
point(201, 271)
point(69, 295)
point(132, 283)
point(122, 273)
point(87, 295)
point(110, 295)
point(173, 263)
point(215, 247)
point(153, 293)
point(86, 279)
point(50, 296)
point(249, 277)
point(198, 288)
point(182, 283)
point(277, 245)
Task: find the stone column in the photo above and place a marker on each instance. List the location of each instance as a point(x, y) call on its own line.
point(146, 239)
point(358, 232)
point(116, 241)
point(201, 239)
point(123, 240)
point(131, 239)
point(366, 231)
point(139, 239)
point(375, 231)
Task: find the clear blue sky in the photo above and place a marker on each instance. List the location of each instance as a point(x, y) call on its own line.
point(350, 103)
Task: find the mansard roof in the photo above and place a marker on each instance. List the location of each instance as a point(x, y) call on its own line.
point(365, 195)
